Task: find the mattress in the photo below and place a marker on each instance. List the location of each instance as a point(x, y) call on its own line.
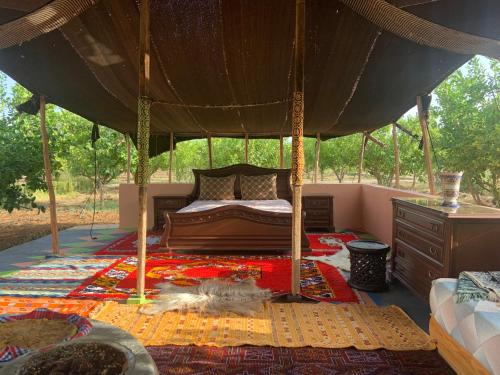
point(275, 205)
point(475, 324)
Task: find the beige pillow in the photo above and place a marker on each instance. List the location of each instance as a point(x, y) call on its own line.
point(258, 187)
point(216, 188)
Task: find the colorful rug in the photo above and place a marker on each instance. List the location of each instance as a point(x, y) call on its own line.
point(127, 245)
point(191, 360)
point(330, 241)
point(118, 281)
point(16, 305)
point(320, 325)
point(54, 278)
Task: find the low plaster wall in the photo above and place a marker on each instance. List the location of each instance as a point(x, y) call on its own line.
point(377, 209)
point(357, 206)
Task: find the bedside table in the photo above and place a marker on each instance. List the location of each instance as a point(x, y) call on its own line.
point(169, 203)
point(319, 212)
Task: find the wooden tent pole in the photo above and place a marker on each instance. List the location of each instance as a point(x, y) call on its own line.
point(396, 154)
point(209, 144)
point(127, 138)
point(282, 155)
point(171, 157)
point(298, 145)
point(144, 105)
point(246, 148)
point(48, 178)
point(316, 160)
point(423, 116)
point(364, 140)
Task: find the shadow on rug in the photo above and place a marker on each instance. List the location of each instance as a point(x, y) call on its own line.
point(270, 360)
point(118, 281)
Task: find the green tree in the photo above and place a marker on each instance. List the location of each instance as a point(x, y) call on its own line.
point(21, 161)
point(341, 155)
point(379, 161)
point(469, 123)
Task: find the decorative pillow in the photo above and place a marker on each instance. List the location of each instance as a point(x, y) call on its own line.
point(216, 188)
point(258, 187)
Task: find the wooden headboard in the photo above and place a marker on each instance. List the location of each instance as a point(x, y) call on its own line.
point(282, 180)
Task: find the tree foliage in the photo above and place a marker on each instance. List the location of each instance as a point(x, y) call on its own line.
point(469, 124)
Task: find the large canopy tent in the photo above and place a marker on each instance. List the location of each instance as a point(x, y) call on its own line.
point(209, 56)
point(244, 68)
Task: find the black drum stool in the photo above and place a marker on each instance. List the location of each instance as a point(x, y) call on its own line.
point(368, 261)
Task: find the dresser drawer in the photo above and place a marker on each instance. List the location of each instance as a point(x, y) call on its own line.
point(316, 202)
point(425, 245)
point(414, 270)
point(314, 214)
point(431, 224)
point(171, 203)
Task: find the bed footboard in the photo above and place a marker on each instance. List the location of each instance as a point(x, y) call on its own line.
point(230, 228)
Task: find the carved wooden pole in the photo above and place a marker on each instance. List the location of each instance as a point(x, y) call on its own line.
point(396, 154)
point(171, 157)
point(423, 116)
point(48, 179)
point(364, 140)
point(246, 148)
point(282, 155)
point(144, 106)
point(127, 138)
point(298, 144)
point(316, 160)
point(209, 144)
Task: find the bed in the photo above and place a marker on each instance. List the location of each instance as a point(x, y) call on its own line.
point(234, 225)
point(467, 333)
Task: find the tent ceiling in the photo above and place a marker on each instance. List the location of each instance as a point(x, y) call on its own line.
point(227, 52)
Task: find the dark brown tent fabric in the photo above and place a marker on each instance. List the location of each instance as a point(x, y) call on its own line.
point(224, 67)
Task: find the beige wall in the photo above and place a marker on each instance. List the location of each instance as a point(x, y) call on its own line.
point(357, 206)
point(128, 201)
point(377, 209)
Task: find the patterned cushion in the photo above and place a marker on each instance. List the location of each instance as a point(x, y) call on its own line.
point(258, 187)
point(216, 188)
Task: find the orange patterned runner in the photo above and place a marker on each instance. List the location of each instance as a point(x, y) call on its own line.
point(15, 305)
point(281, 325)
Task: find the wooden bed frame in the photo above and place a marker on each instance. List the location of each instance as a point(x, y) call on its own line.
point(463, 362)
point(233, 227)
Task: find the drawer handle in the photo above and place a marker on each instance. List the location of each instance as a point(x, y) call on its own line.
point(431, 275)
point(432, 250)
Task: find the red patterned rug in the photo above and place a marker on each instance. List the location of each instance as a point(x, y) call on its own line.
point(118, 281)
point(330, 241)
point(268, 360)
point(127, 245)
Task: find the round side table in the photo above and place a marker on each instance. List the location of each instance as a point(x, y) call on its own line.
point(368, 265)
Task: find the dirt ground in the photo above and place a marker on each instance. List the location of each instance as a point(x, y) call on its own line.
point(22, 226)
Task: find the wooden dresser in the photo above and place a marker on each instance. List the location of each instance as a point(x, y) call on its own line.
point(169, 203)
point(431, 241)
point(319, 212)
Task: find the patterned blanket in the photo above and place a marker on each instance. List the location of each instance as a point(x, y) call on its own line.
point(478, 286)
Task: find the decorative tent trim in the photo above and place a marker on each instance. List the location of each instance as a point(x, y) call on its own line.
point(222, 106)
point(421, 31)
point(44, 20)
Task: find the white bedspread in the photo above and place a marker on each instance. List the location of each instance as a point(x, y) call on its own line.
point(275, 205)
point(475, 325)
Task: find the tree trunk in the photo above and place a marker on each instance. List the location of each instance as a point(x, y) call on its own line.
point(101, 195)
point(414, 182)
point(472, 191)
